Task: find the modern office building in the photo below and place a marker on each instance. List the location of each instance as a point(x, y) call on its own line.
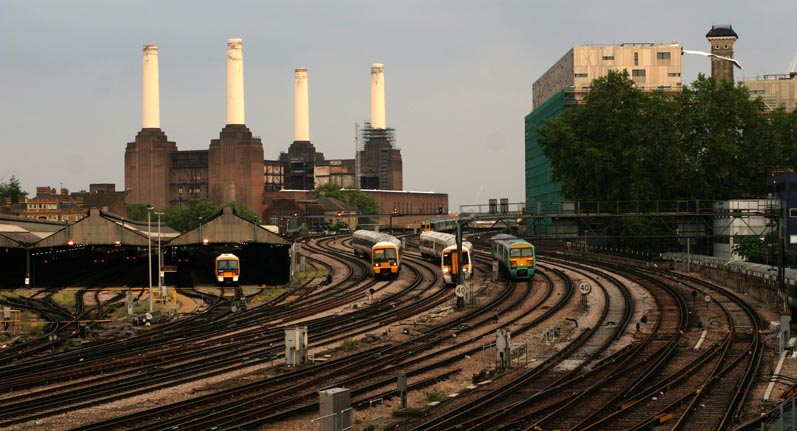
point(653, 67)
point(774, 90)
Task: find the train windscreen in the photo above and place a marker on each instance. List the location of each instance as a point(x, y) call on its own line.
point(520, 252)
point(384, 255)
point(228, 265)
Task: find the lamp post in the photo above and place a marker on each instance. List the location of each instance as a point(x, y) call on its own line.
point(780, 220)
point(688, 255)
point(149, 253)
point(586, 243)
point(160, 256)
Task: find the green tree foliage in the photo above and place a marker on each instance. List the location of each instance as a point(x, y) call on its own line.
point(709, 141)
point(751, 249)
point(781, 135)
point(12, 189)
point(722, 132)
point(598, 151)
point(185, 218)
point(137, 211)
point(365, 203)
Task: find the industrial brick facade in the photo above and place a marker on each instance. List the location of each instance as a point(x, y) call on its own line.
point(235, 168)
point(148, 166)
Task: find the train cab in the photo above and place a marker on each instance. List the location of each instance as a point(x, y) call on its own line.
point(227, 269)
point(385, 259)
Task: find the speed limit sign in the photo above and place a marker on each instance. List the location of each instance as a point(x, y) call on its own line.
point(460, 291)
point(584, 288)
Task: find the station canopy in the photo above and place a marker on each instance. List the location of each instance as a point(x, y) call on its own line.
point(226, 227)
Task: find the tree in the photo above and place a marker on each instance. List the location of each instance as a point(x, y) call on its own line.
point(137, 211)
point(185, 218)
point(724, 135)
point(12, 189)
point(617, 146)
point(750, 248)
point(710, 141)
point(365, 203)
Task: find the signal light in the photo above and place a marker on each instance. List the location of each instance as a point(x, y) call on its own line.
point(395, 211)
point(70, 243)
point(296, 213)
point(340, 213)
point(440, 210)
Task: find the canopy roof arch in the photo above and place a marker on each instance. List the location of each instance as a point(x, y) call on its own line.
point(226, 227)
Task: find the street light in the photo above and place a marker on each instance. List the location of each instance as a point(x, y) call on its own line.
point(160, 256)
point(149, 252)
point(781, 226)
point(688, 251)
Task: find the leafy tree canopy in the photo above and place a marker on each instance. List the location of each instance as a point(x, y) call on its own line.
point(709, 141)
point(12, 189)
point(751, 249)
point(365, 203)
point(185, 218)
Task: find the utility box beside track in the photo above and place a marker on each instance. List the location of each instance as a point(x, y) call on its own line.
point(295, 346)
point(335, 409)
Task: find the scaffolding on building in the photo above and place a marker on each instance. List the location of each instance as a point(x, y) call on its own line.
point(370, 170)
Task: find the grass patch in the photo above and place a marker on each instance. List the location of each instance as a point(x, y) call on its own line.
point(349, 344)
point(434, 395)
point(268, 294)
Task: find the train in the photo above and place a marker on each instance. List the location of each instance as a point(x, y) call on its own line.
point(442, 247)
point(516, 257)
point(383, 250)
point(439, 225)
point(227, 269)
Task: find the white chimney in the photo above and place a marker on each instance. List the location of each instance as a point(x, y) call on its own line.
point(235, 82)
point(301, 110)
point(151, 111)
point(377, 96)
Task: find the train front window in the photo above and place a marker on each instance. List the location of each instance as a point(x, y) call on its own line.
point(228, 265)
point(384, 255)
point(520, 252)
point(447, 259)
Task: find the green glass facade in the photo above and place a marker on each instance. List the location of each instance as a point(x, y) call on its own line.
point(541, 190)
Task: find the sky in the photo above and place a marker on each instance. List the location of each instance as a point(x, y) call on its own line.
point(458, 76)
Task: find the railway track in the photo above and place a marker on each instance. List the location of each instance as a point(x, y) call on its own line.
point(603, 371)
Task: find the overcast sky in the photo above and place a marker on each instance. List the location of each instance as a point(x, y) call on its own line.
point(458, 76)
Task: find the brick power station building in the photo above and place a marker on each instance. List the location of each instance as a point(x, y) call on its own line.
point(233, 168)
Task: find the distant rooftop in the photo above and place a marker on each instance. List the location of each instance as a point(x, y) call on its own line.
point(722, 31)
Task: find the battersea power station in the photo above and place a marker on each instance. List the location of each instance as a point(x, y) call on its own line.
point(233, 167)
